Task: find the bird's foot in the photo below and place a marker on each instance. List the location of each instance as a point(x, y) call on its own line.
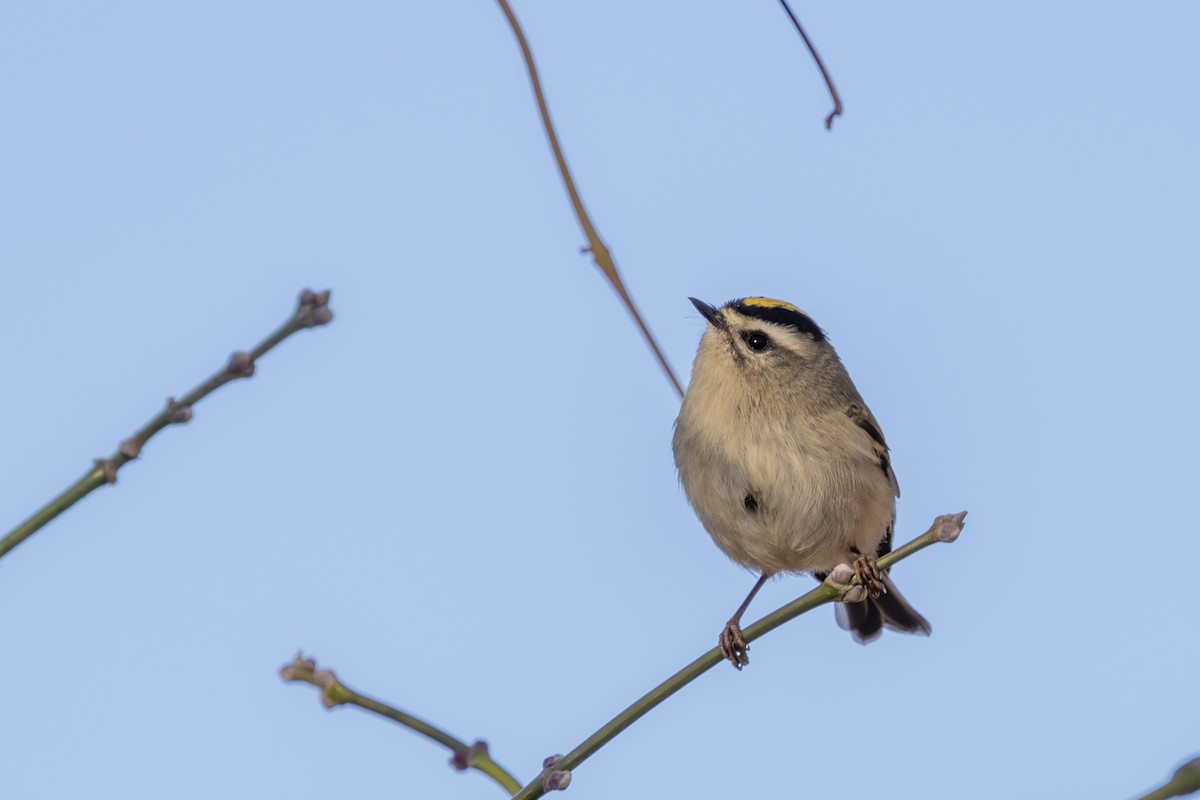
point(733, 644)
point(869, 576)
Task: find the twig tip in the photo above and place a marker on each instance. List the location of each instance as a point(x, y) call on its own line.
point(948, 526)
point(300, 668)
point(313, 309)
point(305, 670)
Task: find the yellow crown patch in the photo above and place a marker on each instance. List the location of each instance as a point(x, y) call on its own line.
point(767, 302)
point(779, 313)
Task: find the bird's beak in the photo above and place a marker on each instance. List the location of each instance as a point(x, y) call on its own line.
point(711, 314)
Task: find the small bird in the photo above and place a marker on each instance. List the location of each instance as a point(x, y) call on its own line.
point(785, 465)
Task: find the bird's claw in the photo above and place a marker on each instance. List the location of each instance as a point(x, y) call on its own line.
point(869, 576)
point(733, 645)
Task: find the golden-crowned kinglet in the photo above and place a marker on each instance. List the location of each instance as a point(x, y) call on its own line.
point(785, 465)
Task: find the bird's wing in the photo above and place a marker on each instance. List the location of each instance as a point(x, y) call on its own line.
point(862, 417)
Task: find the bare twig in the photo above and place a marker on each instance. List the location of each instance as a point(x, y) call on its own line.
point(833, 92)
point(311, 311)
point(335, 693)
point(600, 252)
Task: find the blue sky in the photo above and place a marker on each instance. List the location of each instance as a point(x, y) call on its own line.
point(460, 496)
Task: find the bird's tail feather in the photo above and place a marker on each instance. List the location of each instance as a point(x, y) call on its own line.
point(866, 619)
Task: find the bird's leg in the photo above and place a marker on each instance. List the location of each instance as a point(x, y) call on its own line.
point(869, 577)
point(733, 644)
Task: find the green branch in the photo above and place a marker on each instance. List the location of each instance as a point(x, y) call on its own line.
point(556, 772)
point(1186, 780)
point(335, 693)
point(311, 311)
point(944, 529)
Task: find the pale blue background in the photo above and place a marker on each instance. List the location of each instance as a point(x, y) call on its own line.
point(461, 494)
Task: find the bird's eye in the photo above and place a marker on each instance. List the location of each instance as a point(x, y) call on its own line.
point(757, 341)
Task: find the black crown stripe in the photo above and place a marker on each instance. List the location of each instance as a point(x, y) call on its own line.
point(780, 316)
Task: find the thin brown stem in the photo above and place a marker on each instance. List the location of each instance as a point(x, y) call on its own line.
point(600, 252)
point(833, 92)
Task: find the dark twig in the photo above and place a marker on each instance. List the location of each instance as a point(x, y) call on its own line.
point(833, 92)
point(311, 311)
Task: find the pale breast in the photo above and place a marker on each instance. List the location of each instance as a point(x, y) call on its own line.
point(786, 500)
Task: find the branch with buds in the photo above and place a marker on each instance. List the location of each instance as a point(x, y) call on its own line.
point(312, 311)
point(556, 770)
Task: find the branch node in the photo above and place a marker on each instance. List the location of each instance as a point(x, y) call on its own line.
point(557, 780)
point(466, 757)
point(178, 414)
point(554, 780)
point(1188, 776)
point(241, 365)
point(841, 575)
point(131, 448)
point(109, 466)
point(839, 578)
point(328, 682)
point(855, 594)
